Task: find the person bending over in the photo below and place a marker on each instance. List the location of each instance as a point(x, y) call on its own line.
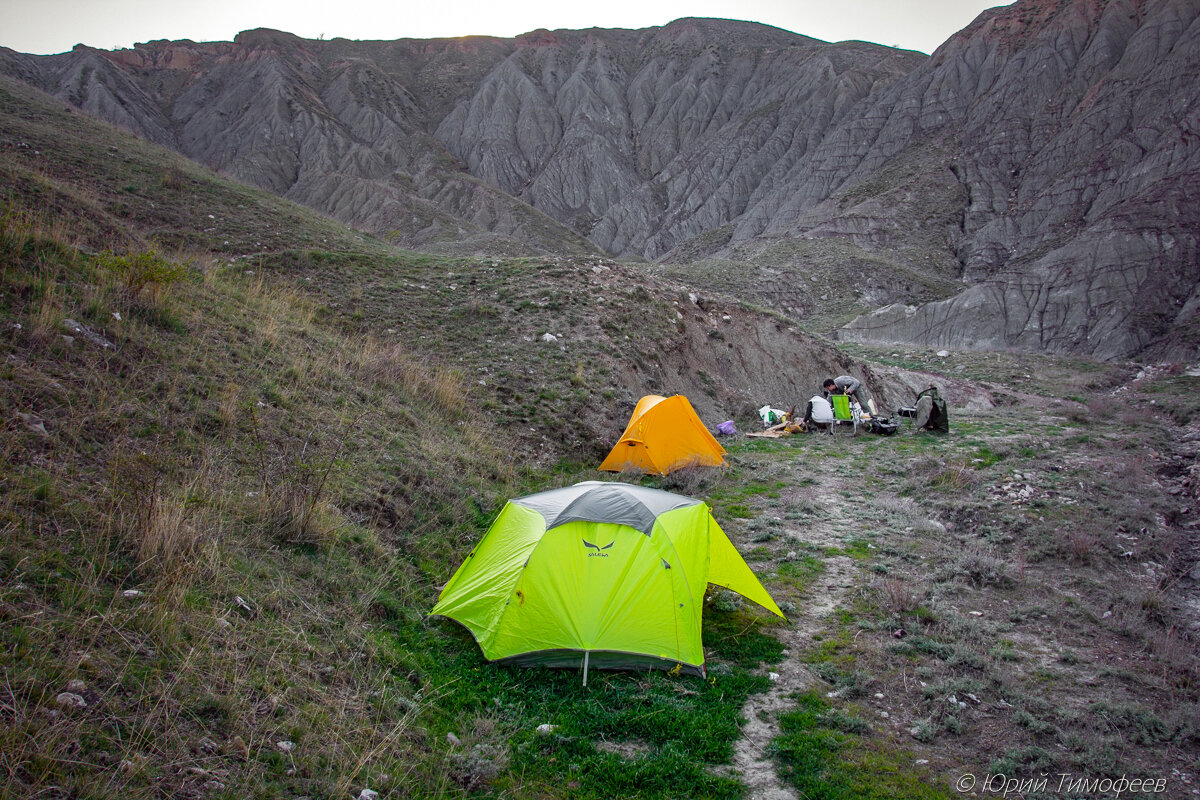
point(845, 384)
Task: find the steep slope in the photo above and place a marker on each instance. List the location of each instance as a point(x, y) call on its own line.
point(1072, 131)
point(641, 138)
point(312, 122)
point(618, 333)
point(632, 138)
point(1042, 160)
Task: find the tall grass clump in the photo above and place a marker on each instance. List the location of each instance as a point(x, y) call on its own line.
point(296, 487)
point(172, 541)
point(442, 389)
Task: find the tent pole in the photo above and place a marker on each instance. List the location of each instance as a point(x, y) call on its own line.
point(586, 654)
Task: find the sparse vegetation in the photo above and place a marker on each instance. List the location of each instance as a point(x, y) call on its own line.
point(231, 493)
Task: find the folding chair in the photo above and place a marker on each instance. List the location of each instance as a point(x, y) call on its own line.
point(842, 415)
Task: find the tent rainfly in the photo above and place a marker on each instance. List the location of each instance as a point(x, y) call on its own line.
point(663, 435)
point(599, 573)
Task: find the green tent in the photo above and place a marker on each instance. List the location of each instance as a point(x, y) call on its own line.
point(603, 573)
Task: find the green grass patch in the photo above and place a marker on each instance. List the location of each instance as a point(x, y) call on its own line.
point(679, 725)
point(801, 571)
point(822, 759)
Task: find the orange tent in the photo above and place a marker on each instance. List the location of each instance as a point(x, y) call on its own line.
point(664, 434)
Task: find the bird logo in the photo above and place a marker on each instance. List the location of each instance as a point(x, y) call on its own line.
point(599, 550)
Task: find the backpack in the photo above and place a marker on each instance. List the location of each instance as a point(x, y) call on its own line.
point(884, 426)
point(820, 410)
point(939, 418)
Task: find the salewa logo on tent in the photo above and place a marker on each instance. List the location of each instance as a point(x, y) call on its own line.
point(599, 550)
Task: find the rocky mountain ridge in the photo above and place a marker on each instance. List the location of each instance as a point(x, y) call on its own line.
point(1028, 186)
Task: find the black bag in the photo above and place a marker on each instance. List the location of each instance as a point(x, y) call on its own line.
point(884, 426)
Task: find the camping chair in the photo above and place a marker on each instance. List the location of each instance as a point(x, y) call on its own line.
point(842, 415)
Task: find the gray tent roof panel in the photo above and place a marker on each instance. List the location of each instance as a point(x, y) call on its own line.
point(604, 501)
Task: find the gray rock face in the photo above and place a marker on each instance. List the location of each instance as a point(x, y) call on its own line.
point(1078, 153)
point(1034, 177)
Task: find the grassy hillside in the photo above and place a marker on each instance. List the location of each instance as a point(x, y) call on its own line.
point(243, 448)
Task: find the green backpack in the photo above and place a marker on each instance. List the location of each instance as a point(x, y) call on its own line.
point(939, 418)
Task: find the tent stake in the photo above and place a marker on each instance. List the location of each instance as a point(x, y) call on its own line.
point(586, 653)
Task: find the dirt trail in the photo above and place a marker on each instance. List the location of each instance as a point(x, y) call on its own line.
point(751, 758)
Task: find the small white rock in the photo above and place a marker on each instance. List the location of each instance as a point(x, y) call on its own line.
point(879, 695)
point(943, 353)
point(131, 593)
point(546, 728)
point(773, 676)
point(452, 739)
point(368, 794)
point(286, 746)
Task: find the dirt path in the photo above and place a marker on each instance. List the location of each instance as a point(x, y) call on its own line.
point(751, 758)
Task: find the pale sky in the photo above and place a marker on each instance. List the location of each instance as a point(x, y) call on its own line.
point(55, 26)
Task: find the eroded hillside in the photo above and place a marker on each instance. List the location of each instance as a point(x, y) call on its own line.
point(1028, 186)
point(244, 446)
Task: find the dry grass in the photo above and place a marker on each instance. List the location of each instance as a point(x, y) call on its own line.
point(173, 540)
point(897, 596)
point(392, 365)
point(21, 227)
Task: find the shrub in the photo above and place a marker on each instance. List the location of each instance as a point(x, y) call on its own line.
point(144, 274)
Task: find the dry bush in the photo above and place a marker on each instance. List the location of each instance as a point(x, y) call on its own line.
point(897, 596)
point(981, 566)
point(173, 178)
point(301, 515)
point(47, 314)
point(480, 756)
point(690, 479)
point(20, 227)
point(295, 486)
point(391, 365)
point(1178, 652)
point(1080, 546)
point(954, 478)
point(926, 474)
point(905, 513)
point(172, 540)
point(227, 409)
